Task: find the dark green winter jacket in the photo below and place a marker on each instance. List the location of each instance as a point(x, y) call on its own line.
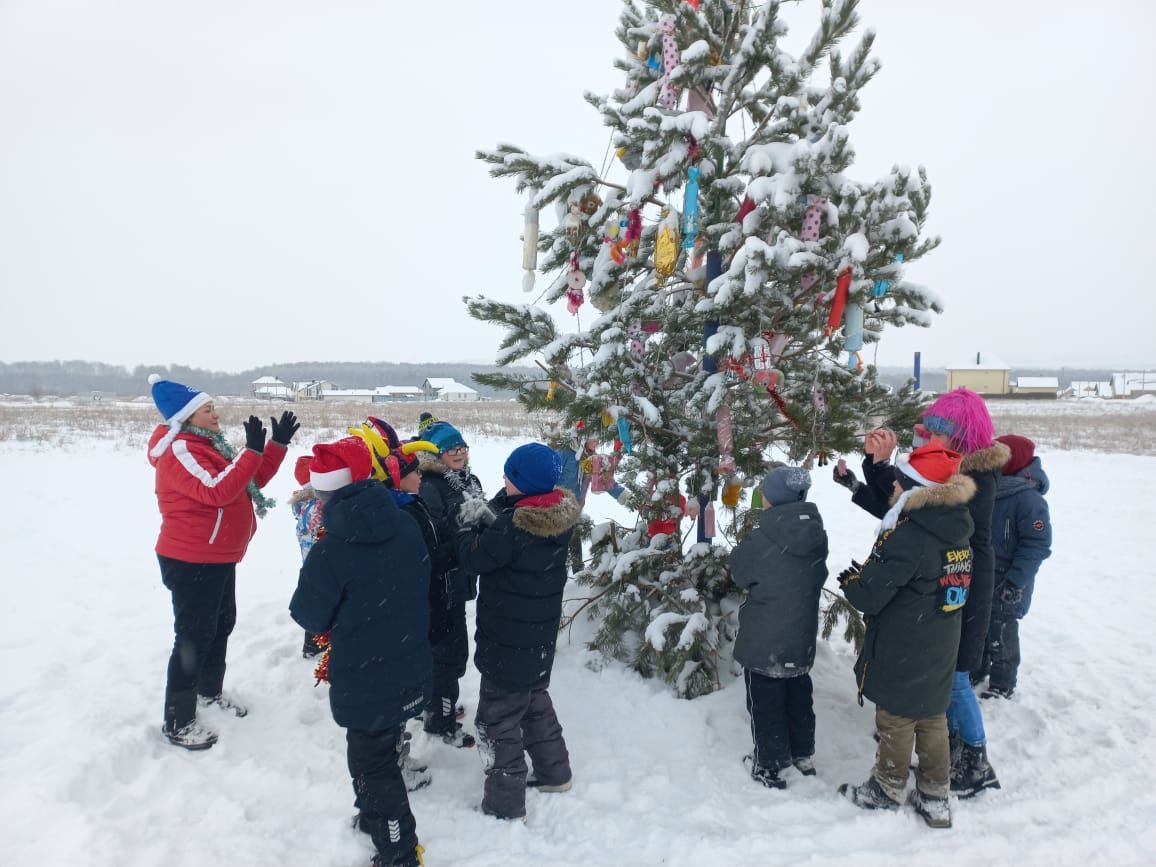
point(912, 590)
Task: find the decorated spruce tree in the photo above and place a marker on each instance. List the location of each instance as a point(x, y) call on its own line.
point(736, 271)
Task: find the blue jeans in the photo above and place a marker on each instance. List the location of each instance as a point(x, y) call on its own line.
point(963, 714)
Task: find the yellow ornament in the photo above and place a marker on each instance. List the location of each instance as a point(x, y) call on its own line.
point(666, 247)
point(730, 494)
point(551, 389)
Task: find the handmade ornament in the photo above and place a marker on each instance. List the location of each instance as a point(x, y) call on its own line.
point(607, 298)
point(724, 433)
point(839, 301)
point(631, 157)
point(748, 205)
point(853, 335)
point(590, 203)
point(551, 389)
point(737, 369)
point(880, 287)
point(637, 339)
point(572, 223)
point(629, 234)
point(698, 99)
point(575, 281)
point(666, 246)
point(529, 245)
point(651, 326)
point(765, 375)
point(707, 522)
point(601, 473)
point(694, 4)
point(690, 215)
point(812, 223)
point(624, 435)
point(756, 499)
point(668, 95)
point(731, 492)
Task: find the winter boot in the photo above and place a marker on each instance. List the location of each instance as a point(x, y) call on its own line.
point(192, 736)
point(416, 859)
point(769, 777)
point(456, 737)
point(222, 702)
point(973, 774)
point(805, 765)
point(935, 811)
point(955, 749)
point(997, 692)
point(534, 783)
point(868, 795)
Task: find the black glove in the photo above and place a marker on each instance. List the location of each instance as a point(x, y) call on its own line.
point(1008, 593)
point(850, 573)
point(254, 435)
point(284, 429)
point(847, 479)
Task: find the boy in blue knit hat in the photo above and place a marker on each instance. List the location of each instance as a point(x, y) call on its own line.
point(517, 546)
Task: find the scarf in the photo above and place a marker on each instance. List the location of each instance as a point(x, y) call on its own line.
point(261, 503)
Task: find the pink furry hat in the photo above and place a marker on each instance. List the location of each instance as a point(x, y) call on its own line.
point(962, 415)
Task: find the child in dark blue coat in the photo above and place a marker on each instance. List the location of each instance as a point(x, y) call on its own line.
point(782, 564)
point(366, 582)
point(517, 547)
point(1022, 537)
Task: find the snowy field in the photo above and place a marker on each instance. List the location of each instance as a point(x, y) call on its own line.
point(86, 779)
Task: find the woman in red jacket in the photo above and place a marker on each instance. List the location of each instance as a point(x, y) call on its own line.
point(207, 493)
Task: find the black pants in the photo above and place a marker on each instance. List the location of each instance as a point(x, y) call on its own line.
point(204, 613)
point(379, 791)
point(510, 724)
point(782, 718)
point(1003, 650)
point(449, 642)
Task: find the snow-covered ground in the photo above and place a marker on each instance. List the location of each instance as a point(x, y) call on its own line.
point(85, 778)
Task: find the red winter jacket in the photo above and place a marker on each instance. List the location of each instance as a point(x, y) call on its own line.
point(206, 513)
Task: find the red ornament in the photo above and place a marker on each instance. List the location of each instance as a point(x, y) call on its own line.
point(839, 302)
point(745, 208)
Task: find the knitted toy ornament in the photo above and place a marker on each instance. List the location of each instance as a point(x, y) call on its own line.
point(690, 217)
point(529, 245)
point(668, 96)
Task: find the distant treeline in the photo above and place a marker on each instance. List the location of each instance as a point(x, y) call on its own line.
point(65, 378)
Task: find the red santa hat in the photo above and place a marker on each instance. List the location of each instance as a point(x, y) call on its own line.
point(301, 469)
point(929, 465)
point(338, 464)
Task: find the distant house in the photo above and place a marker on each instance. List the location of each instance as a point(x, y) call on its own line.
point(393, 393)
point(349, 395)
point(1133, 384)
point(982, 373)
point(310, 389)
point(440, 388)
point(271, 388)
point(1089, 388)
point(1036, 386)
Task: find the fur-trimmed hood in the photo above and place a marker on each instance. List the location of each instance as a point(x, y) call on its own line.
point(956, 491)
point(431, 463)
point(547, 515)
point(940, 510)
point(986, 460)
point(303, 495)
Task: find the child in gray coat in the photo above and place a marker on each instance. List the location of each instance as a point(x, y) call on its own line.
point(782, 563)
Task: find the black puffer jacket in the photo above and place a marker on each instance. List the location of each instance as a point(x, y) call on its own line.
point(367, 580)
point(984, 468)
point(911, 590)
point(440, 544)
point(443, 498)
point(520, 560)
point(782, 563)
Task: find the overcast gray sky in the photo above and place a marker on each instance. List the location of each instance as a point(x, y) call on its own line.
point(230, 183)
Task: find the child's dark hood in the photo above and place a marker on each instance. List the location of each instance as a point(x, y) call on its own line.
point(1031, 476)
point(362, 513)
point(796, 528)
point(986, 460)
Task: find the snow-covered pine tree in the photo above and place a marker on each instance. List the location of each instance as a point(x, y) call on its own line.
point(733, 266)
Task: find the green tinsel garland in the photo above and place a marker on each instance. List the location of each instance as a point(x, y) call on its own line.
point(261, 503)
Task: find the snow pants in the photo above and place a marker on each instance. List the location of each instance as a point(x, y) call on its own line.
point(782, 718)
point(204, 613)
point(893, 758)
point(450, 644)
point(1003, 649)
point(379, 792)
point(511, 723)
